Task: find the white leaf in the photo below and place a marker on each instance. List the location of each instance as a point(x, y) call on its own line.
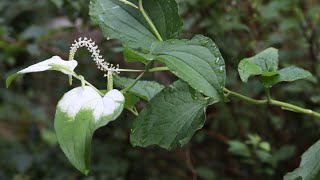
point(54, 63)
point(105, 109)
point(47, 65)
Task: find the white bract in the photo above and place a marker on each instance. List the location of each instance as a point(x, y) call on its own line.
point(105, 109)
point(48, 65)
point(54, 63)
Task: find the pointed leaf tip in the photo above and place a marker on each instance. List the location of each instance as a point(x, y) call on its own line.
point(54, 63)
point(11, 78)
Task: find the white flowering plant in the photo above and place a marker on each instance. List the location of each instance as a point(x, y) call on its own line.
point(149, 31)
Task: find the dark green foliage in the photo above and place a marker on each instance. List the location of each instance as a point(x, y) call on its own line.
point(28, 148)
point(170, 118)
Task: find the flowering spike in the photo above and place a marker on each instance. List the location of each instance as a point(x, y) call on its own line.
point(93, 48)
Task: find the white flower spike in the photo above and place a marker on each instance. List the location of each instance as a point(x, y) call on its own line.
point(93, 48)
point(54, 63)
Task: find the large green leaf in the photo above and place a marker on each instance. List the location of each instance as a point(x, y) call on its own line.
point(143, 89)
point(265, 63)
point(309, 168)
point(288, 74)
point(121, 21)
point(197, 61)
point(79, 113)
point(169, 119)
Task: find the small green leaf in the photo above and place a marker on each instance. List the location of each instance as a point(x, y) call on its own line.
point(54, 63)
point(143, 89)
point(170, 119)
point(131, 55)
point(130, 100)
point(238, 148)
point(309, 168)
point(284, 153)
point(121, 21)
point(197, 61)
point(79, 113)
point(288, 74)
point(265, 146)
point(11, 78)
point(264, 156)
point(265, 63)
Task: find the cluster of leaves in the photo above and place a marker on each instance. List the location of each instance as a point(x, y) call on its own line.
point(162, 122)
point(229, 29)
point(173, 115)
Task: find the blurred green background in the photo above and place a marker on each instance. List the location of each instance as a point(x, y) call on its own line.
point(238, 141)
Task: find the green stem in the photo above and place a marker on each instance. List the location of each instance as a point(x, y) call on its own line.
point(129, 3)
point(268, 95)
point(153, 27)
point(140, 70)
point(86, 82)
point(294, 108)
point(134, 111)
point(245, 98)
point(130, 70)
point(158, 69)
point(58, 67)
point(273, 102)
point(134, 83)
point(110, 81)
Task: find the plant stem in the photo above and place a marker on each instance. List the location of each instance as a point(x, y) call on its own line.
point(129, 3)
point(245, 98)
point(110, 81)
point(71, 74)
point(158, 69)
point(268, 95)
point(86, 82)
point(140, 70)
point(294, 108)
point(153, 27)
point(134, 83)
point(134, 111)
point(130, 70)
point(283, 105)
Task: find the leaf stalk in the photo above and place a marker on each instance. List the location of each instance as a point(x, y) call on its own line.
point(149, 21)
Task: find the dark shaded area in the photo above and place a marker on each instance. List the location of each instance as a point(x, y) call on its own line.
point(31, 31)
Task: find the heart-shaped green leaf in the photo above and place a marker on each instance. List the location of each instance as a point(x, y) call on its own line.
point(265, 63)
point(79, 113)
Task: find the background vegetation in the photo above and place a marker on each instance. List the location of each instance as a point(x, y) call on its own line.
point(239, 141)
